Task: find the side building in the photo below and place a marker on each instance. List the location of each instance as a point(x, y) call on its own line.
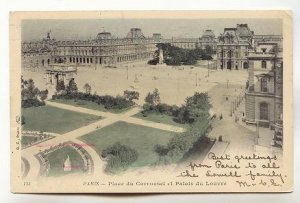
point(264, 88)
point(38, 54)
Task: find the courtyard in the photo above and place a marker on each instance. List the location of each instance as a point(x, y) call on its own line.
point(96, 128)
point(174, 83)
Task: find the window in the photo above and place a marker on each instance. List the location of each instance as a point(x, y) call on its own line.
point(264, 85)
point(264, 64)
point(264, 111)
point(229, 54)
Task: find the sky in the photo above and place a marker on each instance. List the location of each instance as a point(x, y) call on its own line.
point(83, 29)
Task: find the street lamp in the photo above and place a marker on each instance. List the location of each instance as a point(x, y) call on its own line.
point(207, 68)
point(257, 130)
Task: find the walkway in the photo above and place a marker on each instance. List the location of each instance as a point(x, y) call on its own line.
point(110, 118)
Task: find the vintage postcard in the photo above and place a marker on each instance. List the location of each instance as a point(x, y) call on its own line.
point(151, 101)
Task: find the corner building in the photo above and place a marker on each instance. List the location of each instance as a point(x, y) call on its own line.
point(264, 94)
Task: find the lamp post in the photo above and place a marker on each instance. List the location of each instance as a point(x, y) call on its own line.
point(257, 131)
point(207, 68)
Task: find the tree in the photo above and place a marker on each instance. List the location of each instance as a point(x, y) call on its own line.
point(87, 88)
point(131, 95)
point(23, 120)
point(119, 157)
point(161, 150)
point(198, 106)
point(29, 94)
point(155, 59)
point(60, 86)
point(43, 94)
point(153, 98)
point(72, 87)
point(183, 115)
point(208, 50)
point(29, 90)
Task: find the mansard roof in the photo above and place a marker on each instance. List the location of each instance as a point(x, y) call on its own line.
point(209, 33)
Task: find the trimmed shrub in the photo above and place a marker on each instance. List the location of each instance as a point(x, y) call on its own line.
point(32, 103)
point(119, 157)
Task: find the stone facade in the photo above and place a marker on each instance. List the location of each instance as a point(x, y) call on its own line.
point(234, 45)
point(264, 95)
point(37, 54)
point(104, 50)
point(207, 39)
point(184, 43)
point(59, 72)
point(231, 48)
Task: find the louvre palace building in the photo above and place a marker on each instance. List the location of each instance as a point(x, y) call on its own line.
point(231, 48)
point(103, 50)
point(235, 43)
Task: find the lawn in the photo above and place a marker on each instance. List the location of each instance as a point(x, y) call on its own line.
point(26, 140)
point(58, 158)
point(89, 105)
point(142, 139)
point(52, 119)
point(160, 118)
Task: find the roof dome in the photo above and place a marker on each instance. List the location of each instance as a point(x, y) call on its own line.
point(208, 33)
point(135, 33)
point(104, 35)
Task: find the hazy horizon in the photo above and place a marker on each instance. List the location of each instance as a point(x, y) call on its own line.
point(82, 29)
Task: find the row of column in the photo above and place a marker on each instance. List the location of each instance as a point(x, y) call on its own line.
point(102, 60)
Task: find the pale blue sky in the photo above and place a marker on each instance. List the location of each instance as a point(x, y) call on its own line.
point(88, 29)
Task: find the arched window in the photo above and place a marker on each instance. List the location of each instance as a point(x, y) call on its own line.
point(264, 64)
point(229, 54)
point(264, 111)
point(264, 85)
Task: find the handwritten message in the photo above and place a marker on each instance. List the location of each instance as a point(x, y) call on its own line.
point(246, 170)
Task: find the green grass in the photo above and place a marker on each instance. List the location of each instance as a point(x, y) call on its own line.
point(26, 140)
point(52, 119)
point(58, 157)
point(160, 118)
point(89, 105)
point(142, 139)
